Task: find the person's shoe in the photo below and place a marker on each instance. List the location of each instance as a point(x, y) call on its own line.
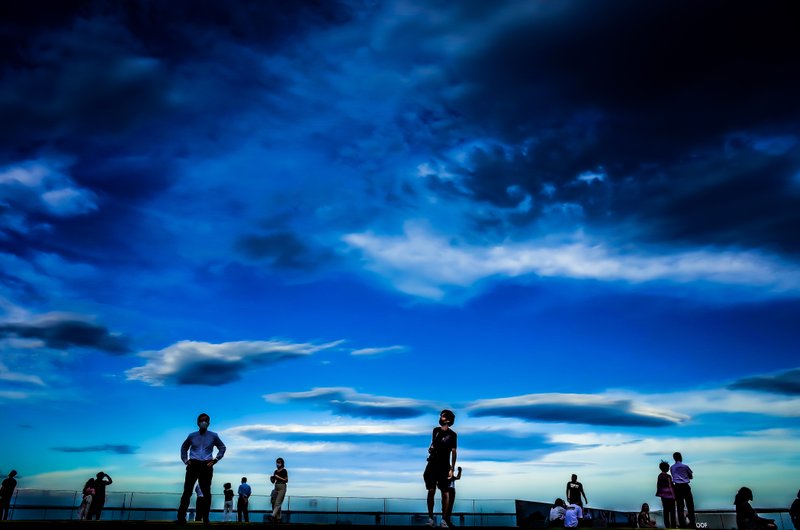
point(180, 521)
point(450, 524)
point(443, 524)
point(431, 522)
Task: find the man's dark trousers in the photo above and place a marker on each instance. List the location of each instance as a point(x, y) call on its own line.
point(243, 509)
point(196, 471)
point(683, 493)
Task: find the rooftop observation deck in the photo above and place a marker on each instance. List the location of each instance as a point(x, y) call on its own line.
point(58, 509)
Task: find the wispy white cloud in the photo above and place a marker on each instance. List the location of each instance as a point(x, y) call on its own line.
point(428, 265)
point(377, 351)
point(42, 186)
point(720, 400)
point(14, 395)
point(17, 377)
point(256, 431)
point(202, 363)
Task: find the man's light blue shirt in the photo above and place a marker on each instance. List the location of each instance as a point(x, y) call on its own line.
point(200, 446)
point(245, 490)
point(681, 473)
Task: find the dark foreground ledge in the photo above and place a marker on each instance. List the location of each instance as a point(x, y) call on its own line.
point(169, 525)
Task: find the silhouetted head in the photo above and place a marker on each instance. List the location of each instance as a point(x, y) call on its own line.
point(244, 479)
point(559, 502)
point(677, 456)
point(744, 495)
point(447, 417)
point(100, 475)
point(279, 462)
point(574, 477)
point(13, 473)
point(645, 507)
point(227, 485)
point(664, 466)
point(89, 483)
point(203, 421)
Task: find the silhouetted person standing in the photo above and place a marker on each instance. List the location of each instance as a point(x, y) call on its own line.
point(99, 499)
point(228, 509)
point(86, 502)
point(665, 491)
point(681, 476)
point(197, 453)
point(442, 454)
point(575, 491)
point(280, 478)
point(243, 502)
point(6, 494)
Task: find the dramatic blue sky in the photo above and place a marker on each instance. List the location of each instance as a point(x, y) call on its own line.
point(573, 223)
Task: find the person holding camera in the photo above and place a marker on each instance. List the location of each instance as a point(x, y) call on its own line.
point(441, 466)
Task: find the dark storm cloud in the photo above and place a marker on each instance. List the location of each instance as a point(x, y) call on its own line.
point(105, 448)
point(97, 68)
point(785, 383)
point(685, 108)
point(121, 95)
point(348, 402)
point(573, 408)
point(500, 440)
point(63, 333)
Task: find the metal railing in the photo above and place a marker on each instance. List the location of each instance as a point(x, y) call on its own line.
point(29, 504)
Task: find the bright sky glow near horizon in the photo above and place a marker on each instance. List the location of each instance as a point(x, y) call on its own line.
point(576, 224)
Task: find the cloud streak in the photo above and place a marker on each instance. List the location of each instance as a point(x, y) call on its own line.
point(427, 265)
point(202, 363)
point(63, 331)
point(577, 408)
point(260, 431)
point(119, 449)
point(17, 377)
point(348, 402)
point(786, 383)
point(378, 351)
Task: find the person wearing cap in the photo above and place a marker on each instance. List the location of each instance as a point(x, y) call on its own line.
point(197, 452)
point(442, 454)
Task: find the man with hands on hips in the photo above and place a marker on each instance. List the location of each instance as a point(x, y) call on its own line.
point(197, 453)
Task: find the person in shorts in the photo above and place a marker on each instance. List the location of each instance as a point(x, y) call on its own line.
point(441, 465)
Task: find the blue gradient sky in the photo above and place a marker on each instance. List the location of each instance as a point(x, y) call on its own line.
point(575, 224)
